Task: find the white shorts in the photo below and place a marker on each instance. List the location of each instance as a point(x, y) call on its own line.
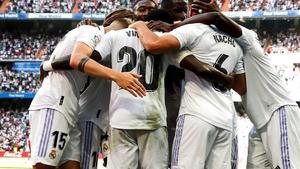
point(198, 144)
point(281, 138)
point(53, 140)
point(133, 149)
point(257, 157)
point(90, 144)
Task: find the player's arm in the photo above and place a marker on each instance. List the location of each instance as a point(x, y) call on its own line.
point(239, 83)
point(59, 64)
point(81, 61)
point(214, 17)
point(153, 43)
point(206, 71)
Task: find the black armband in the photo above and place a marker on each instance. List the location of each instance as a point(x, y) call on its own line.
point(96, 56)
point(82, 63)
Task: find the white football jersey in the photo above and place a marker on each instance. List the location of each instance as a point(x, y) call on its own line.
point(94, 101)
point(266, 91)
point(202, 98)
point(60, 90)
point(128, 55)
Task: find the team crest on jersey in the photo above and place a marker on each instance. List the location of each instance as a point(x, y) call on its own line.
point(52, 154)
point(96, 39)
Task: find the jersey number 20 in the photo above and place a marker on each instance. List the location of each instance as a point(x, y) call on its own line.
point(148, 66)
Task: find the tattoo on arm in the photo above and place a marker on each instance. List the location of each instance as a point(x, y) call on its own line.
point(82, 63)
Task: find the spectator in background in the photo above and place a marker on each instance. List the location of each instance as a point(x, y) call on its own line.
point(15, 45)
point(14, 126)
point(18, 82)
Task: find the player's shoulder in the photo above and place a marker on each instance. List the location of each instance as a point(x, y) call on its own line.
point(197, 26)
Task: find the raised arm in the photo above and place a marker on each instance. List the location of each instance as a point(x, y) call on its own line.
point(153, 43)
point(215, 17)
point(80, 60)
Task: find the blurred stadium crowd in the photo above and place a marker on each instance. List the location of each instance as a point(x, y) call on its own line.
point(18, 81)
point(15, 45)
point(264, 5)
point(64, 6)
point(105, 6)
point(14, 126)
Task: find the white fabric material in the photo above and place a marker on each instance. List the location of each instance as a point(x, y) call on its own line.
point(280, 137)
point(134, 149)
point(48, 126)
point(200, 98)
point(210, 149)
point(257, 157)
point(266, 91)
point(94, 102)
point(90, 142)
point(128, 54)
point(60, 90)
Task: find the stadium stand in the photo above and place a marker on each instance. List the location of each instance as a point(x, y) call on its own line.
point(18, 81)
point(14, 127)
point(27, 45)
point(15, 45)
point(35, 6)
point(264, 5)
point(66, 6)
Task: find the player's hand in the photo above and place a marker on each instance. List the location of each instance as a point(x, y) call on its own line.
point(159, 25)
point(229, 82)
point(43, 73)
point(86, 22)
point(137, 24)
point(199, 5)
point(129, 81)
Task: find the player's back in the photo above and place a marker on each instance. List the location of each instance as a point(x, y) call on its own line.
point(128, 54)
point(266, 91)
point(61, 89)
point(94, 101)
point(202, 98)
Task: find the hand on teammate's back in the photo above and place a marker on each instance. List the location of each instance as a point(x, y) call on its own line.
point(137, 24)
point(159, 25)
point(204, 7)
point(129, 81)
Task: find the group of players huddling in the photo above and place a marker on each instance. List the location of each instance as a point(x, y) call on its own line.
point(111, 79)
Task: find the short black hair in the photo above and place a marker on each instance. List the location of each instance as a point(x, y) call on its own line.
point(160, 15)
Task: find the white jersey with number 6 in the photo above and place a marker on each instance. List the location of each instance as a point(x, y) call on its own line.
point(61, 89)
point(128, 54)
point(202, 98)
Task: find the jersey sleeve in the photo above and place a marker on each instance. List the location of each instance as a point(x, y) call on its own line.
point(239, 67)
point(104, 47)
point(247, 38)
point(176, 58)
point(91, 38)
point(187, 34)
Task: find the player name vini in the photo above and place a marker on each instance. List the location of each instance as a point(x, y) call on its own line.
point(132, 33)
point(224, 39)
